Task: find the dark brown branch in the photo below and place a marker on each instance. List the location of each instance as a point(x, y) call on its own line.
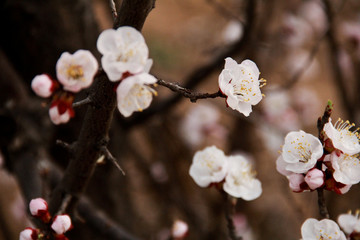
point(193, 96)
point(94, 132)
point(322, 205)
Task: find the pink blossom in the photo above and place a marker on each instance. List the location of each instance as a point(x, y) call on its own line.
point(61, 112)
point(42, 85)
point(61, 224)
point(37, 206)
point(28, 234)
point(314, 178)
point(295, 181)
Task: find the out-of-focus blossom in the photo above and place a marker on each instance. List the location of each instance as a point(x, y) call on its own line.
point(43, 86)
point(295, 31)
point(179, 230)
point(61, 224)
point(233, 31)
point(278, 111)
point(135, 94)
point(240, 181)
point(124, 51)
point(313, 12)
point(201, 123)
point(351, 32)
point(76, 71)
point(241, 85)
point(297, 61)
point(159, 173)
point(325, 229)
point(300, 152)
point(342, 137)
point(349, 223)
point(28, 234)
point(346, 168)
point(208, 166)
point(306, 104)
point(314, 178)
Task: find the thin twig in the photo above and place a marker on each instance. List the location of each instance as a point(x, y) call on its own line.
point(229, 211)
point(193, 96)
point(113, 9)
point(322, 205)
point(64, 145)
point(109, 156)
point(82, 102)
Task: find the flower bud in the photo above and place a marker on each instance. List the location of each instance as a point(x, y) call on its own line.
point(61, 224)
point(314, 178)
point(28, 234)
point(295, 180)
point(39, 208)
point(42, 85)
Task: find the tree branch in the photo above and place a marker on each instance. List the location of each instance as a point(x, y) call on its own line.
point(193, 96)
point(94, 132)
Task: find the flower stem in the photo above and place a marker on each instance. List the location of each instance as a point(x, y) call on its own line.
point(229, 210)
point(322, 205)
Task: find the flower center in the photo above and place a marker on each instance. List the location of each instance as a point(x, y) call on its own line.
point(344, 127)
point(302, 149)
point(75, 72)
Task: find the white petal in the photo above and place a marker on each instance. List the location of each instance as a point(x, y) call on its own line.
point(106, 42)
point(252, 66)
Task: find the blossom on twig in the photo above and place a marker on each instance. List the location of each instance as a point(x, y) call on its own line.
point(124, 51)
point(350, 223)
point(61, 224)
point(241, 84)
point(43, 85)
point(76, 71)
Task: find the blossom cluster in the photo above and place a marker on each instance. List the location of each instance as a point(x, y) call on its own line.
point(234, 173)
point(310, 164)
point(329, 229)
point(74, 73)
point(126, 61)
point(241, 85)
point(59, 224)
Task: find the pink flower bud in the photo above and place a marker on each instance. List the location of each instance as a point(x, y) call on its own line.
point(28, 234)
point(61, 224)
point(314, 178)
point(42, 85)
point(38, 205)
point(57, 117)
point(179, 229)
point(39, 208)
point(295, 180)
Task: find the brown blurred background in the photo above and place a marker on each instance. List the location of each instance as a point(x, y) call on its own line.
point(309, 52)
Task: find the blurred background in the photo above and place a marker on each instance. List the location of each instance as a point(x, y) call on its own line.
point(308, 51)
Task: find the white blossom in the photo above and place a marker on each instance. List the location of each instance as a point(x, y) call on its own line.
point(325, 229)
point(342, 137)
point(346, 167)
point(208, 166)
point(76, 71)
point(295, 181)
point(241, 84)
point(349, 223)
point(134, 94)
point(61, 224)
point(124, 50)
point(36, 205)
point(300, 152)
point(42, 85)
point(240, 181)
point(179, 229)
